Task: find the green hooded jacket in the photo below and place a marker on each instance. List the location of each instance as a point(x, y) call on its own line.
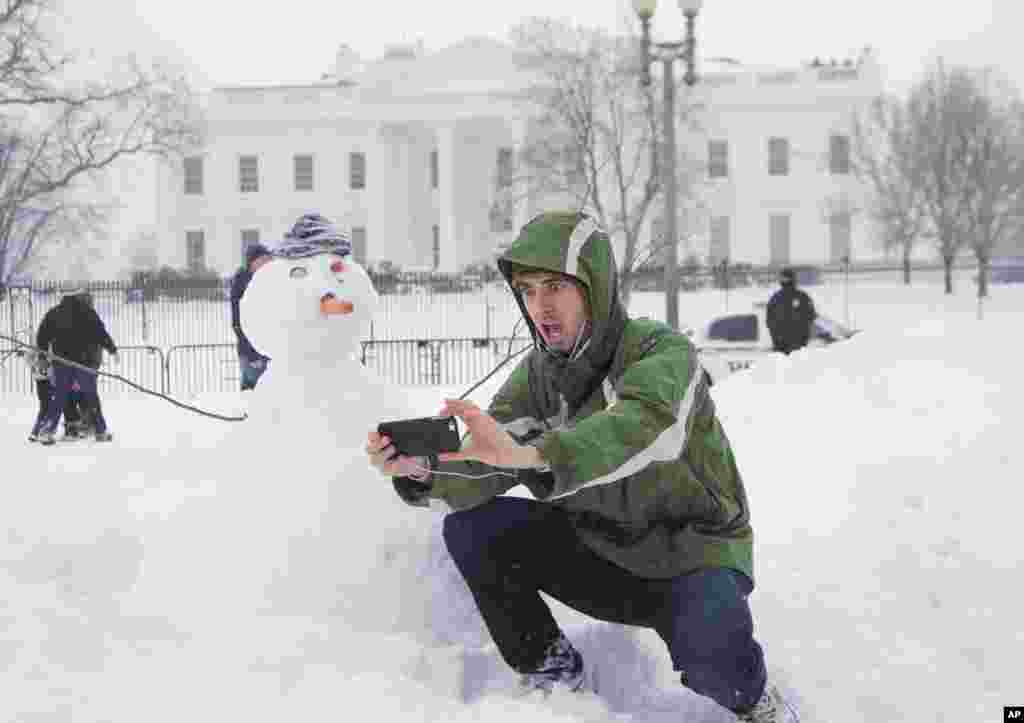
point(636, 454)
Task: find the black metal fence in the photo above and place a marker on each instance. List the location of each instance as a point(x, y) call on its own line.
point(184, 370)
point(170, 313)
point(436, 329)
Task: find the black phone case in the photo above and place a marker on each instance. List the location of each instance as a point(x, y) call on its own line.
point(424, 436)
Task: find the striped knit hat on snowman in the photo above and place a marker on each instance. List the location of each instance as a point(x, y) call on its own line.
point(313, 234)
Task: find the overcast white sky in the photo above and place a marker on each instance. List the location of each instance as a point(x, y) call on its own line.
point(230, 41)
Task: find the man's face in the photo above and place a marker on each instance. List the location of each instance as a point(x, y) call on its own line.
point(556, 305)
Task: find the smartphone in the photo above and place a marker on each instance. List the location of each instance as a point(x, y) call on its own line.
point(422, 437)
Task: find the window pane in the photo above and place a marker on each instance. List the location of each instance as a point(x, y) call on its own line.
point(194, 175)
point(437, 246)
point(505, 168)
point(779, 239)
point(718, 159)
point(357, 170)
point(359, 244)
point(304, 173)
point(839, 237)
point(719, 247)
point(839, 154)
point(248, 174)
point(195, 250)
point(778, 156)
point(250, 237)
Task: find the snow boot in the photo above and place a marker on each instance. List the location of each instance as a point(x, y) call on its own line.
point(770, 708)
point(46, 438)
point(562, 667)
point(104, 436)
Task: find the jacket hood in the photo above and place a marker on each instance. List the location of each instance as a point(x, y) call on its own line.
point(569, 242)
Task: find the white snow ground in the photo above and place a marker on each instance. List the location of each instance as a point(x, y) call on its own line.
point(194, 570)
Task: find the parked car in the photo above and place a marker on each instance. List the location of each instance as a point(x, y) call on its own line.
point(1006, 270)
point(732, 342)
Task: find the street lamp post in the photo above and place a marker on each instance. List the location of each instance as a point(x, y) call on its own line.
point(668, 53)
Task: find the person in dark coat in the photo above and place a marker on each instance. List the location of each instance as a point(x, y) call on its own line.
point(790, 315)
point(79, 416)
point(71, 330)
point(251, 363)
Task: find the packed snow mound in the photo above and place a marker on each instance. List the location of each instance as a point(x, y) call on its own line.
point(872, 467)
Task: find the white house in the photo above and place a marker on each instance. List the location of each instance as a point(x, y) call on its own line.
point(406, 152)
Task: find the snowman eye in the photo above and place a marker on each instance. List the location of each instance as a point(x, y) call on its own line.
point(298, 272)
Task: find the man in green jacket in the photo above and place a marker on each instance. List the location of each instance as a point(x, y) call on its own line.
point(640, 516)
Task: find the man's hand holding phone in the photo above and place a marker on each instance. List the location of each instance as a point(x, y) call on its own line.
point(488, 442)
point(386, 459)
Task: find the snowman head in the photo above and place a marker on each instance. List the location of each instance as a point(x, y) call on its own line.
point(308, 307)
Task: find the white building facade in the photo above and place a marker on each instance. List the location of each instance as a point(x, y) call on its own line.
point(407, 152)
point(778, 185)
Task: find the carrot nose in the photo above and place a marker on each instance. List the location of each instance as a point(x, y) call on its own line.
point(331, 304)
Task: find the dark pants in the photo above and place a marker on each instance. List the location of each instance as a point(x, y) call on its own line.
point(44, 390)
point(509, 549)
point(64, 378)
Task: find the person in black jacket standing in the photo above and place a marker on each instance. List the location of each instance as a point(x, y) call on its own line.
point(72, 330)
point(251, 363)
point(790, 315)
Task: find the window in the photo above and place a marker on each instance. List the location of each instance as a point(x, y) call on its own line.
point(357, 170)
point(779, 228)
point(718, 159)
point(719, 247)
point(437, 246)
point(359, 244)
point(778, 156)
point(250, 237)
point(501, 216)
point(303, 172)
point(839, 154)
point(194, 175)
point(505, 167)
point(248, 174)
point(737, 327)
point(435, 173)
point(839, 237)
point(195, 250)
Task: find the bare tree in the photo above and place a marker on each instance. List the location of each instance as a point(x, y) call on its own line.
point(885, 158)
point(943, 118)
point(595, 138)
point(57, 136)
point(995, 174)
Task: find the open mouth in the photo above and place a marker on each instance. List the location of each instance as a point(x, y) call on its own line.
point(551, 330)
point(331, 304)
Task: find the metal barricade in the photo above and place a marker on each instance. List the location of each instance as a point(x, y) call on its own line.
point(437, 362)
point(192, 369)
point(142, 365)
point(185, 370)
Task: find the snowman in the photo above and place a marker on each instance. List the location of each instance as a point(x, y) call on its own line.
point(299, 552)
point(308, 309)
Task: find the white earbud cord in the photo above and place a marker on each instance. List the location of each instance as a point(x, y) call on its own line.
point(429, 472)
